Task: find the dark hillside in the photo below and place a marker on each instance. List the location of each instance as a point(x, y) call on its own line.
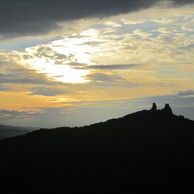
point(150, 150)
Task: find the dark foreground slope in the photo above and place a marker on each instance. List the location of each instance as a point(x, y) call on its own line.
point(141, 152)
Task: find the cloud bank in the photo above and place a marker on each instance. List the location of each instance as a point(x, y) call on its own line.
point(29, 17)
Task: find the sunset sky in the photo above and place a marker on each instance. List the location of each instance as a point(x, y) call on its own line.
point(75, 62)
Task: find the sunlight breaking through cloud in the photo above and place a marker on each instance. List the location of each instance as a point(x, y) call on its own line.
point(57, 58)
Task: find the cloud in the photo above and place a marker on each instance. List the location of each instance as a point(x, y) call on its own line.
point(23, 76)
point(107, 80)
point(186, 93)
point(48, 91)
point(110, 67)
point(102, 77)
point(48, 53)
point(112, 24)
point(10, 114)
point(15, 77)
point(24, 79)
point(3, 88)
point(27, 17)
point(188, 48)
point(93, 43)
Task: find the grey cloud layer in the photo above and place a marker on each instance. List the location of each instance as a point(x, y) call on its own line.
point(46, 91)
point(111, 67)
point(24, 17)
point(186, 93)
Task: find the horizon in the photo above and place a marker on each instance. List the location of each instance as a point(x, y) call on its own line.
point(158, 108)
point(74, 64)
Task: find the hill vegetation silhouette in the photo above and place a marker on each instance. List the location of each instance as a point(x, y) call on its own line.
point(147, 151)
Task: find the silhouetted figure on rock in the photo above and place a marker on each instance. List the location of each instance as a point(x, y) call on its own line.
point(167, 109)
point(154, 107)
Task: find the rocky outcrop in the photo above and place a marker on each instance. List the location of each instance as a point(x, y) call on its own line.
point(167, 109)
point(154, 107)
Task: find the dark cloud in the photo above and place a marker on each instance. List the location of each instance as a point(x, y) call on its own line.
point(93, 43)
point(9, 112)
point(25, 77)
point(48, 91)
point(186, 93)
point(102, 77)
point(77, 65)
point(5, 115)
point(26, 17)
point(3, 88)
point(111, 67)
point(48, 53)
point(108, 80)
point(188, 48)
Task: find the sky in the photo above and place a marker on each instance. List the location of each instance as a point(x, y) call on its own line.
point(73, 63)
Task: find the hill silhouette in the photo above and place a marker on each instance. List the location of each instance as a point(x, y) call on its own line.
point(147, 151)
